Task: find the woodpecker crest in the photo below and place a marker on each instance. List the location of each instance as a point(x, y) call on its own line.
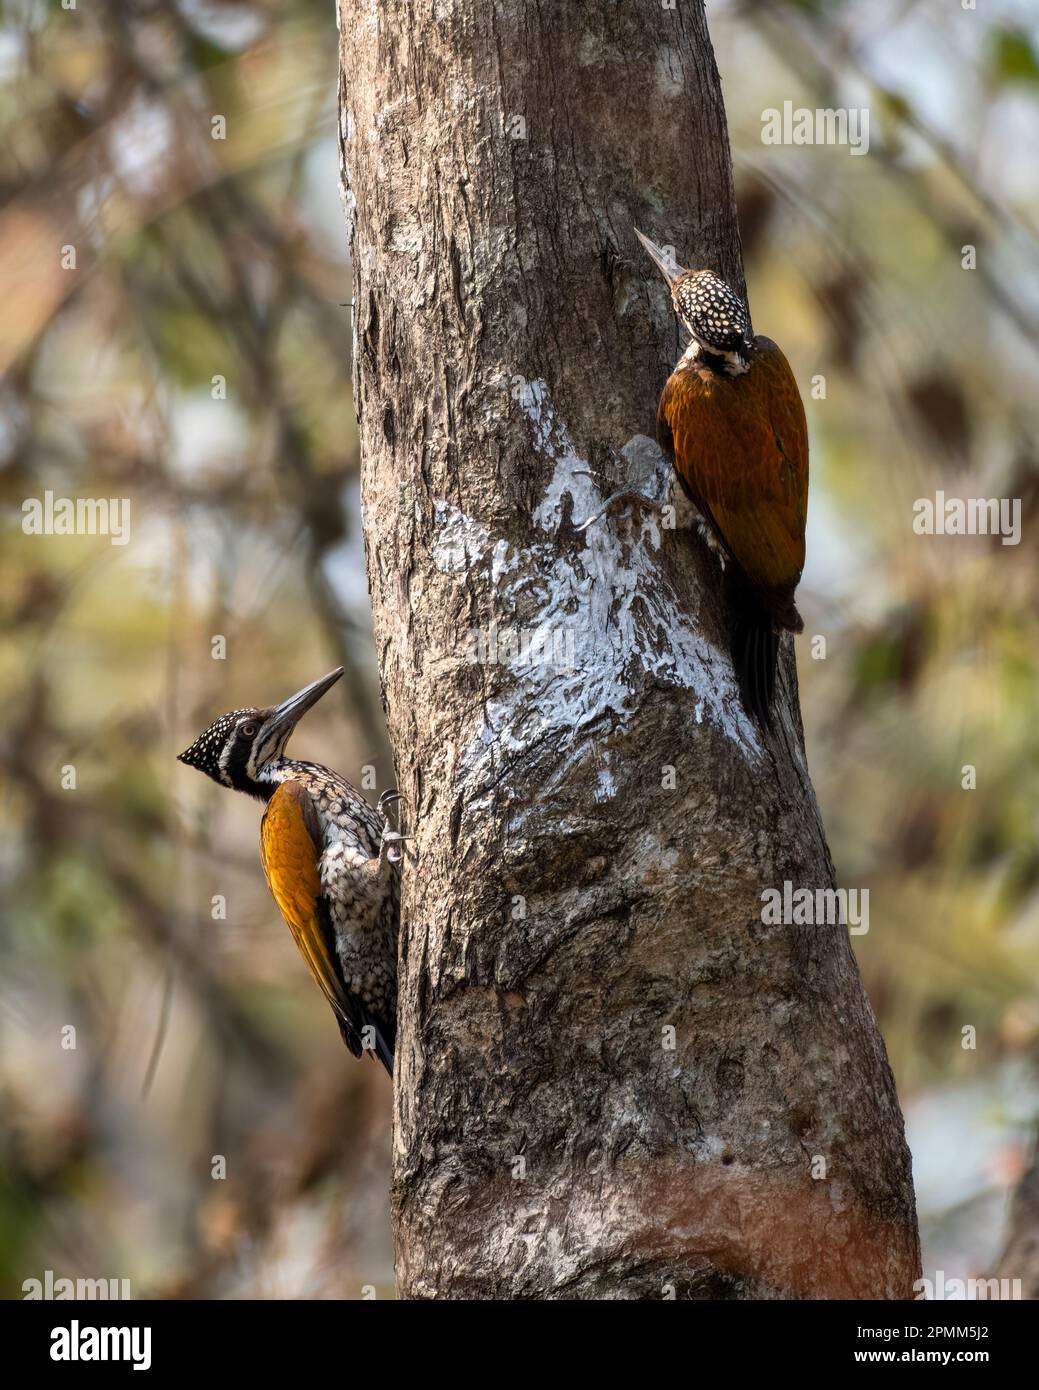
point(716, 317)
point(244, 748)
point(223, 750)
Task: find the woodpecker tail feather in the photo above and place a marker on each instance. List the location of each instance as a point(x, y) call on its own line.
point(785, 615)
point(384, 1048)
point(385, 1038)
point(755, 652)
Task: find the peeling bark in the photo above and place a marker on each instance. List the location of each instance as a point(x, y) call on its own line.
point(565, 905)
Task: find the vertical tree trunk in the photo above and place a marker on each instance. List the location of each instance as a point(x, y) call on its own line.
point(612, 1079)
point(1020, 1257)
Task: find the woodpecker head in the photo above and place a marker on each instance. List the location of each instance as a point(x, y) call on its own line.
point(716, 319)
point(243, 748)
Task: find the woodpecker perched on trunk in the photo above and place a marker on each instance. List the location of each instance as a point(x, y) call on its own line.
point(329, 859)
point(731, 420)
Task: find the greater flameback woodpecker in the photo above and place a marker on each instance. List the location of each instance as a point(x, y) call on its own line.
point(329, 859)
point(731, 420)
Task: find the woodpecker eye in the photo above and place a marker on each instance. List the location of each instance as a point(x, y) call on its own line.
point(248, 730)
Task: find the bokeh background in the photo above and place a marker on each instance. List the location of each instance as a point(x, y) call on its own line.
point(197, 361)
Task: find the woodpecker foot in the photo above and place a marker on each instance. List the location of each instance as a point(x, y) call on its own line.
point(388, 853)
point(646, 476)
point(626, 494)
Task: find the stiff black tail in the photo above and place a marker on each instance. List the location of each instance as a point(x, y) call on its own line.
point(385, 1037)
point(755, 651)
point(384, 1045)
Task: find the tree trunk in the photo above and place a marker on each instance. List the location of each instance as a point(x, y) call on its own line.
point(612, 1079)
point(1020, 1257)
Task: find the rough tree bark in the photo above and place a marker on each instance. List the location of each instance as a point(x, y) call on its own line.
point(569, 900)
point(1020, 1257)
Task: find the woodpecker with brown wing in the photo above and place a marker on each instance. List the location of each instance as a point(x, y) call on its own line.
point(732, 423)
point(329, 858)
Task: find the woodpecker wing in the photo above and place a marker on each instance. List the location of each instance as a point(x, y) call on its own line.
point(290, 839)
point(740, 446)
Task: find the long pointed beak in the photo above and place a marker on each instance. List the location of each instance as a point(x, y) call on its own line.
point(288, 714)
point(664, 263)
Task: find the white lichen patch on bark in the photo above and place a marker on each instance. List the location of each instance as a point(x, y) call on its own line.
point(460, 542)
point(605, 785)
point(627, 618)
point(669, 77)
point(407, 237)
point(606, 606)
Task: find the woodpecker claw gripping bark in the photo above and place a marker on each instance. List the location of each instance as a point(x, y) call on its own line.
point(732, 422)
point(328, 858)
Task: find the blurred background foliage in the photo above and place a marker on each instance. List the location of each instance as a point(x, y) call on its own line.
point(197, 361)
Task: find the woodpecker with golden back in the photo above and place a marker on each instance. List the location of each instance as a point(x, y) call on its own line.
point(330, 860)
point(731, 421)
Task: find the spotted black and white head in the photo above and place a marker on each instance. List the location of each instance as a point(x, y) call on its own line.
point(242, 749)
point(716, 317)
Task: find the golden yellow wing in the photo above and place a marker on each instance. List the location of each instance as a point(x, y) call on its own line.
point(289, 851)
